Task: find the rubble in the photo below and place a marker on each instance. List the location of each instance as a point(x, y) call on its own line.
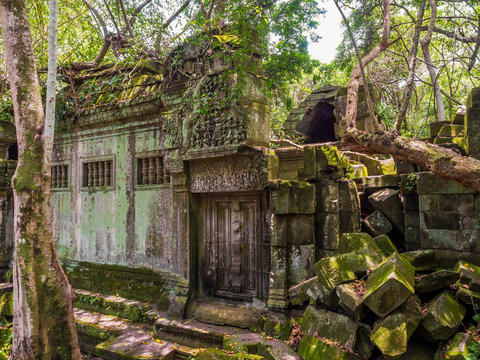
point(389, 285)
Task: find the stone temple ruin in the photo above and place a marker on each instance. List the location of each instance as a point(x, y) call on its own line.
point(187, 220)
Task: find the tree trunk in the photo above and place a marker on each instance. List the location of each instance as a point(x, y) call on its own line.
point(425, 43)
point(402, 114)
point(44, 326)
point(444, 162)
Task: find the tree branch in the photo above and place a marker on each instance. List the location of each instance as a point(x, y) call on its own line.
point(411, 70)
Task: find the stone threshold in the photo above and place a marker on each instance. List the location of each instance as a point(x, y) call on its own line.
point(158, 337)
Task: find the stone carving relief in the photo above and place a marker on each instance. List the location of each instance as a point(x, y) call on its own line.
point(219, 124)
point(173, 134)
point(229, 174)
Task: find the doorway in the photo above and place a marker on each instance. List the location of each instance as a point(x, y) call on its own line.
point(235, 258)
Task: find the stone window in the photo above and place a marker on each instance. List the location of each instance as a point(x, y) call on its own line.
point(98, 173)
point(59, 176)
point(151, 171)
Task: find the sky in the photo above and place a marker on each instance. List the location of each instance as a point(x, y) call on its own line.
point(331, 32)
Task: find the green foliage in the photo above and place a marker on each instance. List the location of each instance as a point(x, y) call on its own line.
point(6, 108)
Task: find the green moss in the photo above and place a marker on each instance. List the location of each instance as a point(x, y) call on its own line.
point(133, 283)
point(216, 354)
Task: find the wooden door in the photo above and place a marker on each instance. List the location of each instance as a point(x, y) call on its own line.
point(237, 255)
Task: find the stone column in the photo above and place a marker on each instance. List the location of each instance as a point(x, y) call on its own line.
point(472, 123)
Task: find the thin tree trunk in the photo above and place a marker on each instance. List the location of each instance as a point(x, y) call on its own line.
point(43, 325)
point(444, 162)
point(425, 43)
point(402, 114)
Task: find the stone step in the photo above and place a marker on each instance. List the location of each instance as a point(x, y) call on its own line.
point(118, 306)
point(115, 338)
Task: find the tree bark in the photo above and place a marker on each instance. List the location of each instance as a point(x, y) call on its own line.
point(43, 325)
point(444, 162)
point(425, 43)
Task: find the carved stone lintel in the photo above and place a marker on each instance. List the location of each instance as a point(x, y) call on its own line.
point(229, 174)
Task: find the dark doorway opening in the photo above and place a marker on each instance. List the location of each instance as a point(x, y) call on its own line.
point(318, 124)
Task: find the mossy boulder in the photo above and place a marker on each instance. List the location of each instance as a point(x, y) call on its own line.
point(322, 295)
point(298, 293)
point(351, 299)
point(312, 348)
point(333, 271)
point(277, 325)
point(389, 285)
point(330, 325)
point(469, 275)
point(443, 317)
point(468, 296)
point(435, 281)
point(385, 245)
point(389, 203)
point(377, 224)
point(337, 328)
point(421, 260)
point(391, 334)
point(356, 242)
point(216, 354)
point(463, 347)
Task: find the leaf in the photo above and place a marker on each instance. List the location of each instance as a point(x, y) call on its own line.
point(224, 39)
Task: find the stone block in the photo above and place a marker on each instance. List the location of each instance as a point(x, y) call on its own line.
point(421, 260)
point(349, 222)
point(389, 285)
point(450, 130)
point(435, 281)
point(277, 325)
point(459, 118)
point(279, 198)
point(328, 199)
point(392, 333)
point(350, 299)
point(404, 167)
point(348, 196)
point(377, 224)
point(312, 348)
point(472, 123)
point(302, 198)
point(327, 230)
point(468, 296)
point(320, 161)
point(300, 260)
point(390, 204)
point(385, 245)
point(279, 227)
point(457, 240)
point(430, 184)
point(449, 220)
point(442, 318)
point(333, 271)
point(412, 238)
point(412, 219)
point(321, 295)
point(301, 229)
point(331, 325)
point(356, 242)
point(378, 182)
point(436, 126)
point(469, 275)
point(298, 293)
point(463, 347)
point(292, 197)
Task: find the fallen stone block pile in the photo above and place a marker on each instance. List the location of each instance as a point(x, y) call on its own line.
point(371, 302)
